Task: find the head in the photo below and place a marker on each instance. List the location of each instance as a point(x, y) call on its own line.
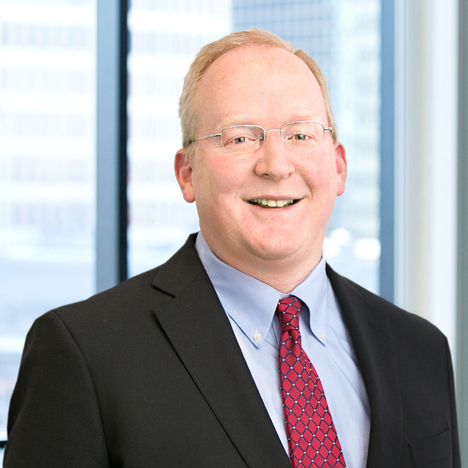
point(210, 52)
point(264, 212)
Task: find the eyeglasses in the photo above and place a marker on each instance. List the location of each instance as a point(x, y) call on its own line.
point(302, 135)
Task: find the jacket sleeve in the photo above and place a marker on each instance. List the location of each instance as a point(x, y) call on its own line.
point(54, 418)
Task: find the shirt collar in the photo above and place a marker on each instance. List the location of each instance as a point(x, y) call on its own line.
point(251, 304)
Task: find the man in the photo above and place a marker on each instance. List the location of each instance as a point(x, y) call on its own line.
point(204, 361)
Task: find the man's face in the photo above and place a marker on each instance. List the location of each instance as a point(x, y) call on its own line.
point(264, 86)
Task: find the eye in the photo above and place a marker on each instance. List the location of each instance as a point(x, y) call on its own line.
point(239, 140)
point(239, 137)
point(299, 136)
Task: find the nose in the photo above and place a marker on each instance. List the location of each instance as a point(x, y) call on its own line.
point(274, 157)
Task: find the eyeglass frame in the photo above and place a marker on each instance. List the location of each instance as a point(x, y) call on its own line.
point(330, 129)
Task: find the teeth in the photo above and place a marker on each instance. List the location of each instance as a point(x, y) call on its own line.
point(271, 203)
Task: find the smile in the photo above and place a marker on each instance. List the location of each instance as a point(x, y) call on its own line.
point(267, 203)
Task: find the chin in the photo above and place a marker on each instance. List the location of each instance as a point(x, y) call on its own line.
point(274, 249)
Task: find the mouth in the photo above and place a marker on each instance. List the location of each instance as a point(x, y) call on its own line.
point(269, 203)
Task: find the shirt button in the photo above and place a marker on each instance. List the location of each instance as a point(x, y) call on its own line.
point(321, 336)
point(257, 337)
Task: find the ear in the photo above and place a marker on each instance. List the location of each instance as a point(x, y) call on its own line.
point(183, 172)
point(341, 168)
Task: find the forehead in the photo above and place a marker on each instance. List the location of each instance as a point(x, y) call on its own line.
point(255, 84)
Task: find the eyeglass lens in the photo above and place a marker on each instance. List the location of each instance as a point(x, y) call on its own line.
point(249, 138)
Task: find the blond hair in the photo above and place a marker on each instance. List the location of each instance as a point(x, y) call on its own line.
point(210, 52)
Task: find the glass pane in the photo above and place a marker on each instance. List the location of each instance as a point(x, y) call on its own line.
point(343, 37)
point(47, 159)
point(165, 38)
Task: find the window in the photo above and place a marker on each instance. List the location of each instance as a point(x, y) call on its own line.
point(165, 40)
point(345, 41)
point(47, 127)
point(47, 167)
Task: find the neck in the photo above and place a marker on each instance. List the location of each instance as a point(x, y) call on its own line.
point(284, 275)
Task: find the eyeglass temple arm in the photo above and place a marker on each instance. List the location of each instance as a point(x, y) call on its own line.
point(207, 136)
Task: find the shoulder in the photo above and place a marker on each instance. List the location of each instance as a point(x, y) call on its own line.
point(129, 306)
point(403, 324)
point(136, 291)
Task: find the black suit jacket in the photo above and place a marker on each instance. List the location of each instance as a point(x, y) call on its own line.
point(149, 374)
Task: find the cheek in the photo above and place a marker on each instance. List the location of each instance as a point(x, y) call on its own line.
point(320, 175)
point(212, 191)
point(220, 177)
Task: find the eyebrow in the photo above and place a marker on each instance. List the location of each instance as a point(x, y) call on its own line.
point(229, 122)
point(244, 120)
point(313, 117)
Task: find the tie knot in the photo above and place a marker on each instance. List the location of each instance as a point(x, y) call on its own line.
point(288, 313)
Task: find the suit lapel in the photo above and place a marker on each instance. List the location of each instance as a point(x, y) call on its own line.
point(369, 329)
point(201, 334)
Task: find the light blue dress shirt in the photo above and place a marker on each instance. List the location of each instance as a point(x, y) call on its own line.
point(250, 306)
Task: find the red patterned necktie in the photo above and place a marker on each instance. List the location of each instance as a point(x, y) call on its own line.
point(312, 437)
